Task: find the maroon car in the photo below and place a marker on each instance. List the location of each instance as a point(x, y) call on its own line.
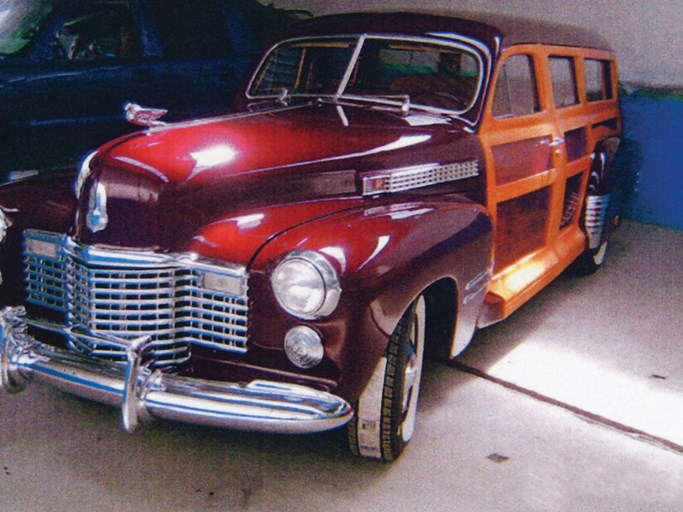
point(393, 182)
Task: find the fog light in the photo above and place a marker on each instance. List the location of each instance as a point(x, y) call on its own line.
point(304, 347)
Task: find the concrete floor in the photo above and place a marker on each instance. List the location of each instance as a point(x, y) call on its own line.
point(573, 403)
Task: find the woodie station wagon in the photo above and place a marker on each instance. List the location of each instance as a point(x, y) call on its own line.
point(392, 183)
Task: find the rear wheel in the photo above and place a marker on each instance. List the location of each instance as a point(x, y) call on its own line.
point(591, 260)
point(594, 218)
point(386, 411)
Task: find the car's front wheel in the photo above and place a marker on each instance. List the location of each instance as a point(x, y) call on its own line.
point(386, 411)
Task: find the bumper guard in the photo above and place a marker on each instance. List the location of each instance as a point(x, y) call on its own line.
point(143, 394)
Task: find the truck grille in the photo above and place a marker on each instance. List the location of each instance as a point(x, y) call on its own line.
point(111, 296)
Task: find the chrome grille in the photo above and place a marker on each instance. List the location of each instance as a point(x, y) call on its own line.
point(45, 278)
point(116, 295)
point(211, 319)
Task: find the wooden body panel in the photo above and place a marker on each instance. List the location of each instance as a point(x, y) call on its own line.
point(535, 164)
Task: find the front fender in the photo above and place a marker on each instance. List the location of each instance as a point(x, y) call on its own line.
point(386, 254)
point(237, 238)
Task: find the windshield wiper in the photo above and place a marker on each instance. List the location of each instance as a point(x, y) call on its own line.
point(403, 102)
point(389, 100)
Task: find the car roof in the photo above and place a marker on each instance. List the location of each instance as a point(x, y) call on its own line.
point(496, 31)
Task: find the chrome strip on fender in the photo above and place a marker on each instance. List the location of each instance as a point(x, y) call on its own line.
point(409, 178)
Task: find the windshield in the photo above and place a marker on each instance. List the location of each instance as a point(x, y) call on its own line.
point(438, 75)
point(20, 22)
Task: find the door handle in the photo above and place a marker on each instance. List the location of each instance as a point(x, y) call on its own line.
point(557, 141)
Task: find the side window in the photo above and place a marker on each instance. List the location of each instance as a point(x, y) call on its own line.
point(191, 30)
point(99, 31)
point(598, 79)
point(20, 23)
point(516, 93)
point(563, 79)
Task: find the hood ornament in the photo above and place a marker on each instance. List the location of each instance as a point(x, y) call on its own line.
point(97, 218)
point(144, 116)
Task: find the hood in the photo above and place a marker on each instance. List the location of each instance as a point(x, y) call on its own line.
point(311, 135)
point(163, 184)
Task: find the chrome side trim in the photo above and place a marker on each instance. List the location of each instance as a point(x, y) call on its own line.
point(143, 393)
point(477, 285)
point(596, 213)
point(409, 178)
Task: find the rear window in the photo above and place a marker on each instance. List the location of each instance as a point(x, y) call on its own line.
point(564, 81)
point(515, 93)
point(598, 79)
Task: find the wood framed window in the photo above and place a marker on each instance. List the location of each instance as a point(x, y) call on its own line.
point(516, 93)
point(598, 79)
point(563, 77)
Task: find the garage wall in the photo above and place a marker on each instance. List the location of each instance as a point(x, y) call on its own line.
point(648, 39)
point(647, 35)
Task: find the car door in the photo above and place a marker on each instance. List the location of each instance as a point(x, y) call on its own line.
point(72, 96)
point(524, 151)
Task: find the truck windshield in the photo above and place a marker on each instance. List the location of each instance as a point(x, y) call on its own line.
point(438, 75)
point(20, 22)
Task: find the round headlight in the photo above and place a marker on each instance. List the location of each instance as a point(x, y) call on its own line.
point(306, 285)
point(304, 347)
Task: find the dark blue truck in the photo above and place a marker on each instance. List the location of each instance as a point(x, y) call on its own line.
point(67, 68)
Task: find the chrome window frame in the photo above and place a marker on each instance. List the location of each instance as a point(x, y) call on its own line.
point(474, 47)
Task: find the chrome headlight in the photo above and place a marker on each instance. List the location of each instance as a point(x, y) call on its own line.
point(83, 174)
point(306, 285)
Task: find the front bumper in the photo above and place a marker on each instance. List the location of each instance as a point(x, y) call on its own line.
point(143, 393)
